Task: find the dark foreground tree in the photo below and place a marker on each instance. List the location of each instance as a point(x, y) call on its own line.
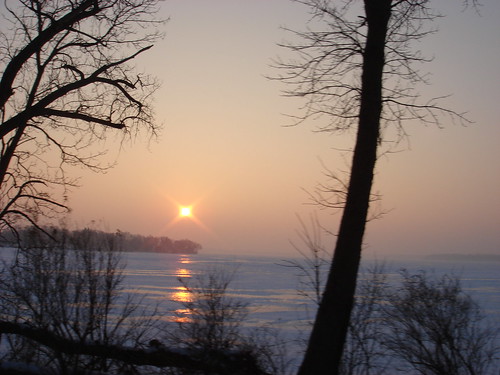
point(68, 298)
point(66, 81)
point(419, 323)
point(359, 70)
point(64, 312)
point(363, 350)
point(434, 327)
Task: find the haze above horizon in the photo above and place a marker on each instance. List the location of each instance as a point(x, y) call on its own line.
point(226, 151)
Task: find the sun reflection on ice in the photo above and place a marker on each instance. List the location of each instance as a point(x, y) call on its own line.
point(182, 295)
point(182, 273)
point(181, 316)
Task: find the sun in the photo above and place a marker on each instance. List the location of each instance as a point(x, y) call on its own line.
point(187, 215)
point(185, 211)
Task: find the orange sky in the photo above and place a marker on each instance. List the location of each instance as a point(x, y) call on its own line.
point(226, 152)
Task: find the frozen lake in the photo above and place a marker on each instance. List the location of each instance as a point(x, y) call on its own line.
point(270, 289)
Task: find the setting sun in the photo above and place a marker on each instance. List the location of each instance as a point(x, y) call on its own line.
point(185, 211)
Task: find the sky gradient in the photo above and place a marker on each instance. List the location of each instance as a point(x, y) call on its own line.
point(226, 151)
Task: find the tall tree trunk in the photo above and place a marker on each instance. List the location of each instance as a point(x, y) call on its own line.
point(324, 351)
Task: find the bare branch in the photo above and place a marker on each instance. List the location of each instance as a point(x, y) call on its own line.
point(66, 78)
point(79, 116)
point(77, 14)
point(226, 363)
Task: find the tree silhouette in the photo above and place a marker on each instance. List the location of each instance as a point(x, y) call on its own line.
point(67, 81)
point(359, 69)
point(436, 328)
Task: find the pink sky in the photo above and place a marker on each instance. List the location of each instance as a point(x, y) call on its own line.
point(225, 149)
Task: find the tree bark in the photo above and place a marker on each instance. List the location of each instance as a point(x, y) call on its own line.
point(326, 343)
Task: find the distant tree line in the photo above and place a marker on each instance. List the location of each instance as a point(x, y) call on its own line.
point(79, 239)
point(137, 242)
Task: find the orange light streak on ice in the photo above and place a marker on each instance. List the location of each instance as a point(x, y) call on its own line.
point(183, 273)
point(182, 295)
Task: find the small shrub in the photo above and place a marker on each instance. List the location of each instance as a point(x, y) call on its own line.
point(211, 322)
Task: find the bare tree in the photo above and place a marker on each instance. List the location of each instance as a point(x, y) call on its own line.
point(210, 325)
point(74, 296)
point(312, 266)
point(63, 311)
point(421, 322)
point(66, 82)
point(210, 319)
point(363, 353)
point(359, 69)
point(436, 328)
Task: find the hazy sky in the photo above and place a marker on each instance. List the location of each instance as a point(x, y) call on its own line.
point(225, 148)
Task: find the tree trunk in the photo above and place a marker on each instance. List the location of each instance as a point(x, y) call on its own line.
point(326, 343)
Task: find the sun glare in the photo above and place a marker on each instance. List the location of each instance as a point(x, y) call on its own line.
point(187, 215)
point(185, 211)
